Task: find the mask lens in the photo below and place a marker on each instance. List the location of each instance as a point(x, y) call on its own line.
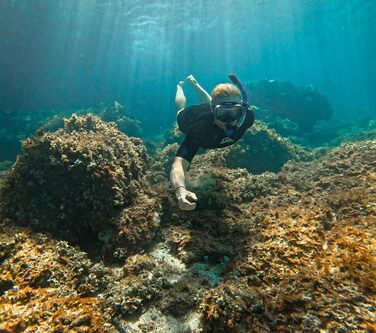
point(228, 113)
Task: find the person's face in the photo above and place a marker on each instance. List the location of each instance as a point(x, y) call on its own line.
point(224, 99)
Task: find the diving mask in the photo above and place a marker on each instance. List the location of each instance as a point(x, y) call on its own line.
point(228, 112)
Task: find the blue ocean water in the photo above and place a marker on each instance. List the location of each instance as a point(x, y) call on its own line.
point(75, 54)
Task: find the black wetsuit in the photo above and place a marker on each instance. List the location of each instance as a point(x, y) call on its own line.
point(197, 122)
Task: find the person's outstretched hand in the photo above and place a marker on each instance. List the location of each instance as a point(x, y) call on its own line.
point(186, 200)
point(191, 80)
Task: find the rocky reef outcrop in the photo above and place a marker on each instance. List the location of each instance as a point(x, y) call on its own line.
point(304, 259)
point(17, 126)
point(81, 183)
point(303, 105)
point(261, 149)
point(284, 251)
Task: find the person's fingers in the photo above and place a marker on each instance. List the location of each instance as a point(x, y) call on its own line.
point(190, 206)
point(191, 197)
point(184, 204)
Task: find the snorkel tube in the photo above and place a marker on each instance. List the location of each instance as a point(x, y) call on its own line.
point(245, 104)
point(241, 87)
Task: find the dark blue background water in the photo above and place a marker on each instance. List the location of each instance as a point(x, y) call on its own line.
point(78, 53)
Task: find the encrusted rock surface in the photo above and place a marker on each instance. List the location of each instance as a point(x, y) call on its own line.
point(81, 184)
point(49, 285)
point(261, 149)
point(16, 126)
point(292, 251)
point(306, 258)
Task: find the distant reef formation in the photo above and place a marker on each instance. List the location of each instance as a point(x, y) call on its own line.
point(92, 240)
point(20, 125)
point(303, 105)
point(260, 149)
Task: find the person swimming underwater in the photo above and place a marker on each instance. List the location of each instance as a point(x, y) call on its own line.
point(218, 121)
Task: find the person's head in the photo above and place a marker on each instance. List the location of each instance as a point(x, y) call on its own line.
point(226, 99)
point(225, 92)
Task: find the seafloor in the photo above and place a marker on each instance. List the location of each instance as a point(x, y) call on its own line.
point(92, 240)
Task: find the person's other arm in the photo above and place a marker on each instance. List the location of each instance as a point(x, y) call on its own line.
point(200, 92)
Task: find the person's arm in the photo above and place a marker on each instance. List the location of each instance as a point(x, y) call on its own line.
point(186, 200)
point(201, 93)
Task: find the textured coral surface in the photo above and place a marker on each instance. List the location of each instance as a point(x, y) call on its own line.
point(290, 251)
point(76, 182)
point(306, 259)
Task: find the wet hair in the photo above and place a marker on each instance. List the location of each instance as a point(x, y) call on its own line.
point(224, 90)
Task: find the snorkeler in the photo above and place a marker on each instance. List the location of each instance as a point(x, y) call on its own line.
point(218, 121)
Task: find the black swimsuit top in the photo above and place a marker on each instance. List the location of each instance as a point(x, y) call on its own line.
point(203, 132)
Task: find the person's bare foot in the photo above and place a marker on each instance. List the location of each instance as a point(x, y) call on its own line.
point(191, 80)
point(181, 84)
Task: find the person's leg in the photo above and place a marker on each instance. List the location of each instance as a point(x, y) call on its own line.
point(180, 100)
point(202, 95)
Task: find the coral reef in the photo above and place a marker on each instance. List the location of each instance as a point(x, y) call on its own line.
point(334, 133)
point(119, 115)
point(77, 182)
point(173, 136)
point(285, 251)
point(46, 285)
point(18, 126)
point(261, 149)
point(4, 167)
point(306, 259)
point(303, 105)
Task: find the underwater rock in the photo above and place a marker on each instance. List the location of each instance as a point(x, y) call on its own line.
point(161, 166)
point(238, 173)
point(44, 283)
point(120, 116)
point(76, 182)
point(16, 126)
point(261, 149)
point(114, 112)
point(305, 259)
point(288, 251)
point(334, 133)
point(303, 105)
point(5, 166)
point(174, 135)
